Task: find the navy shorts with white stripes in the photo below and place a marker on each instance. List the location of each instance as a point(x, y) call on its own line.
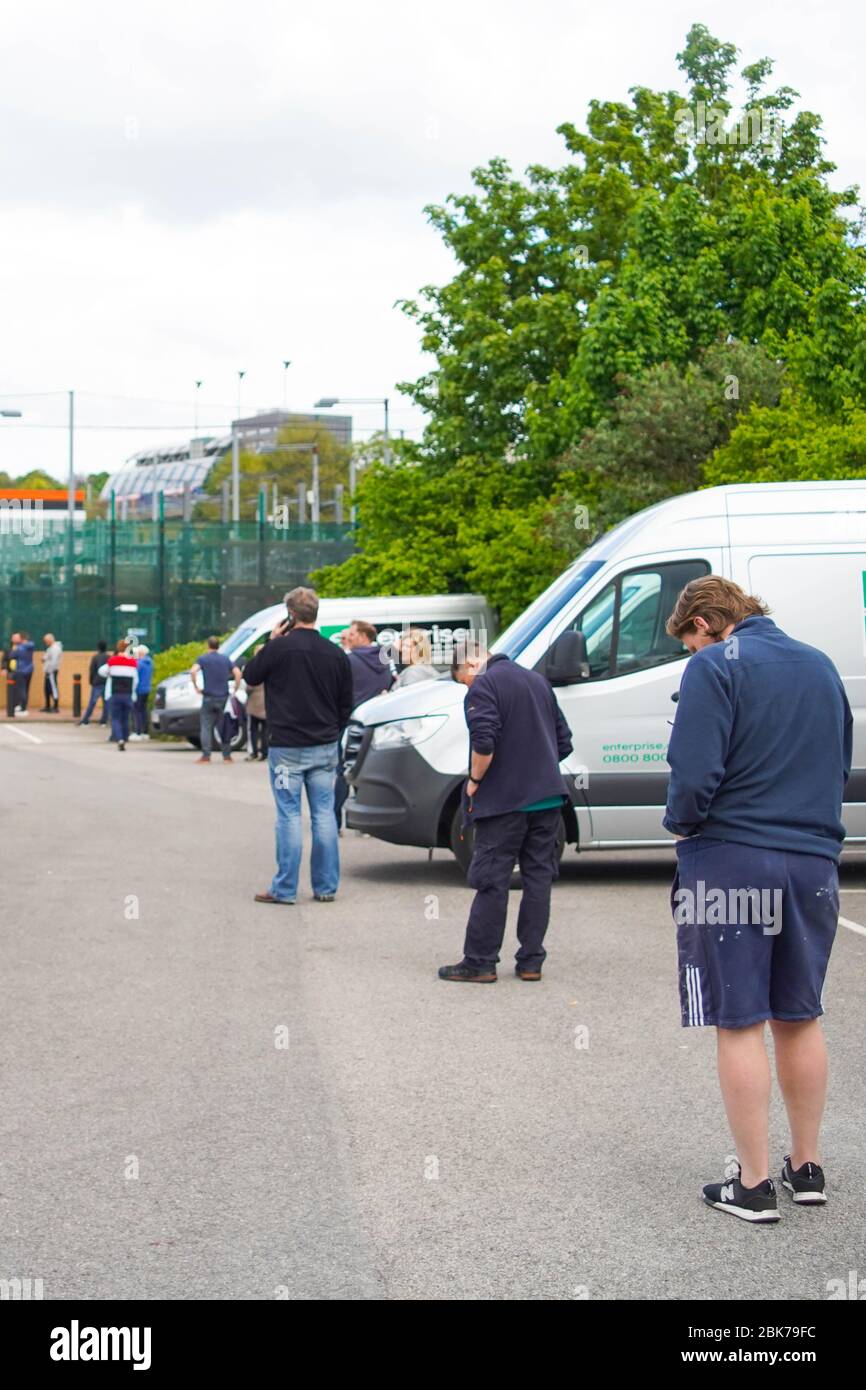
point(754, 932)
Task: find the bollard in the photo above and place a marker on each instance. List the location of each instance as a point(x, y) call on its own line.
point(10, 697)
point(76, 696)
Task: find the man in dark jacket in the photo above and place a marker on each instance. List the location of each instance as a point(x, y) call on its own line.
point(760, 753)
point(371, 667)
point(513, 798)
point(308, 693)
point(97, 685)
point(371, 675)
point(22, 652)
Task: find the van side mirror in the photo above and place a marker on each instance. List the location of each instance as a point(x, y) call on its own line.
point(566, 662)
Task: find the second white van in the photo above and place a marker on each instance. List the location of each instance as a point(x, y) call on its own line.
point(447, 617)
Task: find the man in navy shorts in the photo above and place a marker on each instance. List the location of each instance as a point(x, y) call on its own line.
point(760, 753)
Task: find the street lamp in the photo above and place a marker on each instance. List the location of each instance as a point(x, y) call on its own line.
point(327, 401)
point(236, 457)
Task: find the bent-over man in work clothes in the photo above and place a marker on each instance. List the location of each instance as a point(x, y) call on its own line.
point(513, 798)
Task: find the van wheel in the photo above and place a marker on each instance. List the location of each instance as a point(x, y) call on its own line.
point(461, 840)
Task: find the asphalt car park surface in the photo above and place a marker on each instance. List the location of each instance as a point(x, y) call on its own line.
point(206, 1098)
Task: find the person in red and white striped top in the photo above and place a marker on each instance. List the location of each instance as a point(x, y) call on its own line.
point(121, 672)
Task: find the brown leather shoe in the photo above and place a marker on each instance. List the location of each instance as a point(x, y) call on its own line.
point(526, 974)
point(203, 759)
point(269, 898)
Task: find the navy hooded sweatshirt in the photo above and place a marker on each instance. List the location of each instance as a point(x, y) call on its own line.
point(761, 745)
point(370, 674)
point(514, 714)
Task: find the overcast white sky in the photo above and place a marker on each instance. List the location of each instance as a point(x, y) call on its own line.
point(192, 188)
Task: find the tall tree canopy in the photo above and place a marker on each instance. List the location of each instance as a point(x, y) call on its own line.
point(679, 223)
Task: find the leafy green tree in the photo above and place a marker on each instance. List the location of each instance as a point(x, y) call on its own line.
point(648, 246)
point(796, 443)
point(37, 477)
point(663, 426)
point(473, 528)
point(579, 349)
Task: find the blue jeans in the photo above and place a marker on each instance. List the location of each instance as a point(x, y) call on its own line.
point(97, 692)
point(291, 769)
point(211, 713)
point(120, 709)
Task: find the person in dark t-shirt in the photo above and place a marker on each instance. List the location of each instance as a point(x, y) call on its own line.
point(215, 670)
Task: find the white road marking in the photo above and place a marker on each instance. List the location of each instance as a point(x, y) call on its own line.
point(853, 926)
point(13, 729)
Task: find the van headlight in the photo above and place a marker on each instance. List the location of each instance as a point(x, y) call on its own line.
point(401, 732)
point(181, 693)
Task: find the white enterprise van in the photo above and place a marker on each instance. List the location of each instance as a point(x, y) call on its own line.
point(598, 634)
point(447, 617)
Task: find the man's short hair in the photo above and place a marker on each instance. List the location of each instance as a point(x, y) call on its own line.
point(366, 629)
point(720, 602)
point(465, 649)
point(303, 604)
point(213, 643)
point(102, 645)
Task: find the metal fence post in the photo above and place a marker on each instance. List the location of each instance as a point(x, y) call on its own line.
point(112, 565)
point(161, 565)
point(261, 529)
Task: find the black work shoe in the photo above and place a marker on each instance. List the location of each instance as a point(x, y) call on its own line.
point(528, 972)
point(749, 1203)
point(806, 1185)
point(464, 973)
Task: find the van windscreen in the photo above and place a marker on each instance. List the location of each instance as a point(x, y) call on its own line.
point(238, 642)
point(546, 606)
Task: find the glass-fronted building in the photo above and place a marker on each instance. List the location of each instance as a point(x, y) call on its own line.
point(175, 468)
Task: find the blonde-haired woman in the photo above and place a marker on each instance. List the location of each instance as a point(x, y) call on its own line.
point(415, 653)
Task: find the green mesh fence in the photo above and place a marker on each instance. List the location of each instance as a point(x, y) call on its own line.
point(186, 579)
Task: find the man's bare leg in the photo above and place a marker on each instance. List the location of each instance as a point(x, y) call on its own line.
point(801, 1066)
point(744, 1075)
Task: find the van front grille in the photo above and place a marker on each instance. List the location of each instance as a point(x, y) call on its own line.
point(353, 742)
